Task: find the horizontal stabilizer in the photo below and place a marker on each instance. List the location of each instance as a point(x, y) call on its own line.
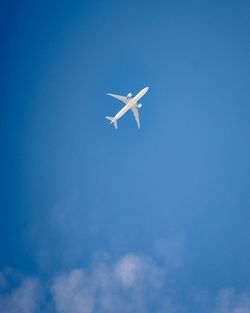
point(110, 118)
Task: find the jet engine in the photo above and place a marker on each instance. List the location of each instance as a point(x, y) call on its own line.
point(129, 95)
point(139, 105)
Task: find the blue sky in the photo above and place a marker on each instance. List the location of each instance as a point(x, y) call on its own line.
point(161, 214)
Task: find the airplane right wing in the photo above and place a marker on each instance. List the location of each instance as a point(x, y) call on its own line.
point(136, 115)
point(121, 98)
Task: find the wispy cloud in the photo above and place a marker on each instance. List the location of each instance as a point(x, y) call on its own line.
point(25, 298)
point(122, 286)
point(131, 283)
point(228, 301)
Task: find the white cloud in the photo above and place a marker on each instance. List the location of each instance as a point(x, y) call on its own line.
point(132, 270)
point(128, 269)
point(228, 301)
point(121, 286)
point(72, 294)
point(22, 299)
point(130, 284)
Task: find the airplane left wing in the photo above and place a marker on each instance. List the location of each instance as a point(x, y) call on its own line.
point(136, 115)
point(121, 98)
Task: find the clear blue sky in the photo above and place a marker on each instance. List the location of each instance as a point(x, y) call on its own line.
point(176, 192)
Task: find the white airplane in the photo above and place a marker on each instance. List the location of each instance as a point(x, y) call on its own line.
point(130, 104)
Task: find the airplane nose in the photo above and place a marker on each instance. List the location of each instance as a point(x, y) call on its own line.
point(146, 89)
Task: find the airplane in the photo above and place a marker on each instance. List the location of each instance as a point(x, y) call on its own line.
point(130, 104)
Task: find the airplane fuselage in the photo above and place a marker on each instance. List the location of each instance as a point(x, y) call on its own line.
point(130, 103)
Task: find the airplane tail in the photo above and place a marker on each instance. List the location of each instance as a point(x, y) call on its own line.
point(110, 118)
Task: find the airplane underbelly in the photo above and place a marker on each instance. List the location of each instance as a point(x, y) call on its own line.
point(125, 109)
point(122, 112)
